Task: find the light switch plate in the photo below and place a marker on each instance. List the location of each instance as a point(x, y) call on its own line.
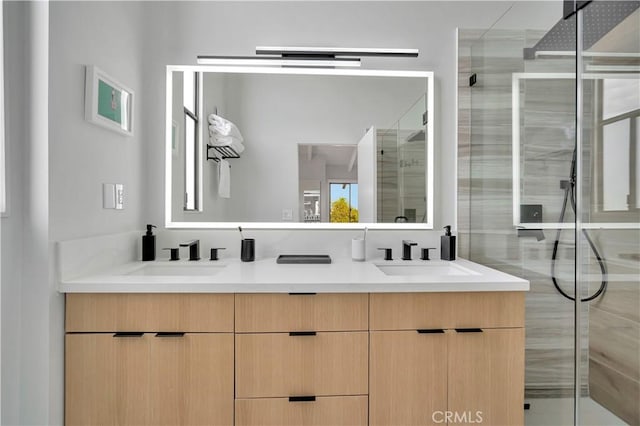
point(119, 196)
point(113, 196)
point(287, 214)
point(108, 196)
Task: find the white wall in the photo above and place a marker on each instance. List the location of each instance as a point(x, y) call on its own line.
point(26, 294)
point(83, 155)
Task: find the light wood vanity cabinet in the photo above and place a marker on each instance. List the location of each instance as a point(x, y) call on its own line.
point(434, 353)
point(294, 359)
point(138, 369)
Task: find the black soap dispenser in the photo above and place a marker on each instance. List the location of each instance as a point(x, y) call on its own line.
point(447, 245)
point(149, 244)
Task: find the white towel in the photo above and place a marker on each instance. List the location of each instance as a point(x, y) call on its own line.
point(213, 118)
point(219, 140)
point(229, 141)
point(223, 126)
point(216, 130)
point(237, 146)
point(224, 179)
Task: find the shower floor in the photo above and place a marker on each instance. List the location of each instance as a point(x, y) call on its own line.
point(559, 412)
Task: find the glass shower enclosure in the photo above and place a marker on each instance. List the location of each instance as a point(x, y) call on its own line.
point(401, 156)
point(549, 190)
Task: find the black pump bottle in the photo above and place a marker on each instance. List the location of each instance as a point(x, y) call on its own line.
point(447, 245)
point(149, 244)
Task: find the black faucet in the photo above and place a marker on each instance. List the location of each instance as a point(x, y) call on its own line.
point(406, 249)
point(194, 249)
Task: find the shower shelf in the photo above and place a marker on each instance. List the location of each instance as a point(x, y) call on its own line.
point(224, 151)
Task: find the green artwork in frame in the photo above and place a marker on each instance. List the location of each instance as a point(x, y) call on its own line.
point(108, 103)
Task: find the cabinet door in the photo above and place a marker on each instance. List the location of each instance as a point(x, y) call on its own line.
point(408, 377)
point(106, 379)
point(191, 379)
point(486, 376)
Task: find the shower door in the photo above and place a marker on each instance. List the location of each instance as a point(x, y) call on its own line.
point(608, 205)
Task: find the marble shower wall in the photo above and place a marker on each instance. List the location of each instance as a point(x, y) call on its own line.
point(401, 182)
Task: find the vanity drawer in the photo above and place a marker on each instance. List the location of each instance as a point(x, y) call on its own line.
point(410, 311)
point(486, 309)
point(336, 411)
point(149, 312)
point(295, 312)
point(407, 311)
point(285, 364)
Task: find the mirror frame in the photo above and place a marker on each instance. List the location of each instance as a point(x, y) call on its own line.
point(429, 75)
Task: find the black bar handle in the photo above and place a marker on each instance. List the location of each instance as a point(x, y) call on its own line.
point(128, 334)
point(468, 330)
point(302, 294)
point(302, 399)
point(302, 333)
point(170, 334)
point(430, 330)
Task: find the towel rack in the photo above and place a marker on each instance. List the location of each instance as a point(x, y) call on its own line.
point(224, 151)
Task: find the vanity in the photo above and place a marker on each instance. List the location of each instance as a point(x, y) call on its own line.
point(266, 344)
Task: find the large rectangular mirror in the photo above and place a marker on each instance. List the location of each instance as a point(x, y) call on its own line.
point(298, 148)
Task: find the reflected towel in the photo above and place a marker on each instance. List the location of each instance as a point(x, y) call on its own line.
point(223, 127)
point(224, 179)
point(229, 141)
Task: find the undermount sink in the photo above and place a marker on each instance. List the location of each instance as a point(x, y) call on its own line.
point(428, 268)
point(178, 270)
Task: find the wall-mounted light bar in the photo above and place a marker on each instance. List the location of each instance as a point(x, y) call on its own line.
point(278, 61)
point(572, 53)
point(613, 68)
point(333, 51)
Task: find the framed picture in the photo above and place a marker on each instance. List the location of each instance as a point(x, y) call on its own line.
point(108, 103)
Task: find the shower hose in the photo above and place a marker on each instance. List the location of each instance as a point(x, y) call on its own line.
point(570, 195)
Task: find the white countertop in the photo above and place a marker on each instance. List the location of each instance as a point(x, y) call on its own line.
point(266, 276)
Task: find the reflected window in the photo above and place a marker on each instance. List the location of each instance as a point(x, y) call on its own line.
point(343, 199)
point(618, 137)
point(190, 102)
point(3, 199)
